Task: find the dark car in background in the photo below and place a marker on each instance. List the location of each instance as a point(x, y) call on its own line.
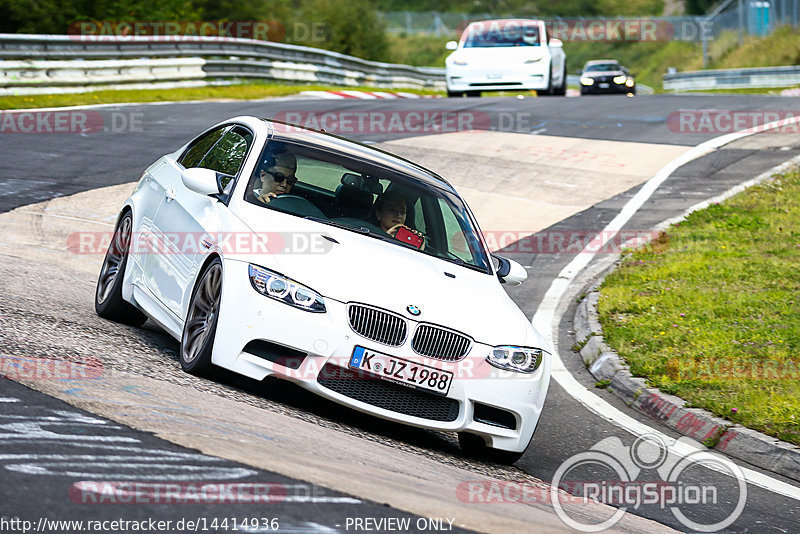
point(606, 76)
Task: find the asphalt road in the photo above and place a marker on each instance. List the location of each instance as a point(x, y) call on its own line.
point(40, 166)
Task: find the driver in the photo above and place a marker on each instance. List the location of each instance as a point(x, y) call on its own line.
point(276, 172)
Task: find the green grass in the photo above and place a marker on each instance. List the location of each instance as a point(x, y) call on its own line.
point(710, 311)
point(248, 91)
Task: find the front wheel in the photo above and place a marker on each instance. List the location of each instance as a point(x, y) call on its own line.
point(473, 446)
point(108, 301)
point(454, 94)
point(200, 327)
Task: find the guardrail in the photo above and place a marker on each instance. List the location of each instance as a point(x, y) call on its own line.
point(29, 63)
point(757, 77)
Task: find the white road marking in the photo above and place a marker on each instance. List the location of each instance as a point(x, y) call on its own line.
point(8, 399)
point(67, 217)
point(546, 319)
point(561, 184)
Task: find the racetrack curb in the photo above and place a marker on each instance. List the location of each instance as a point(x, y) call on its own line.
point(607, 367)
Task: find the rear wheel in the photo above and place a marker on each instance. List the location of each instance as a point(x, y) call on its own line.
point(200, 327)
point(108, 301)
point(561, 90)
point(473, 446)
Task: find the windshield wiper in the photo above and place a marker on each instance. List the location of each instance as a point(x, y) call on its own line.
point(462, 263)
point(361, 229)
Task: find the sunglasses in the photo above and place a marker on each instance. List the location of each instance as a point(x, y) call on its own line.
point(278, 177)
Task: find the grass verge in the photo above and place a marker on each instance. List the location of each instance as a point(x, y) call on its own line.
point(247, 91)
point(711, 311)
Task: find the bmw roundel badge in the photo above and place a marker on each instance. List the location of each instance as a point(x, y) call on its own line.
point(413, 310)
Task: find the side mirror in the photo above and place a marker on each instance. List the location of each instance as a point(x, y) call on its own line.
point(510, 272)
point(556, 43)
point(202, 181)
point(451, 45)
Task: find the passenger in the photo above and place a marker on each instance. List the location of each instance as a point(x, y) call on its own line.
point(390, 212)
point(276, 172)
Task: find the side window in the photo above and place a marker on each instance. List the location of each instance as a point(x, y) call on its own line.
point(228, 154)
point(199, 148)
point(456, 240)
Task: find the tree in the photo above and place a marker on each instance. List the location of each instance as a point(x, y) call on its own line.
point(351, 27)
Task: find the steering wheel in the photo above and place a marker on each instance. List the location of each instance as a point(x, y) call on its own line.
point(286, 196)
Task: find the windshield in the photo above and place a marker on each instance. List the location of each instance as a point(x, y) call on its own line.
point(603, 67)
point(367, 199)
point(496, 35)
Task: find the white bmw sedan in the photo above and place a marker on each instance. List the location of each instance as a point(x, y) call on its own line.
point(273, 250)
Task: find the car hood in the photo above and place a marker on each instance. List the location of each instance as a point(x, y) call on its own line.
point(350, 267)
point(603, 73)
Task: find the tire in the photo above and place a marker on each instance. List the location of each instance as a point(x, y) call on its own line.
point(454, 94)
point(562, 89)
point(473, 446)
point(200, 327)
point(473, 94)
point(549, 90)
point(108, 301)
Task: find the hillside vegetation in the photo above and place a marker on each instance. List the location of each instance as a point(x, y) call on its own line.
point(647, 60)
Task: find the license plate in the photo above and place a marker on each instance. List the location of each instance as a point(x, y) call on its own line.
point(494, 76)
point(403, 371)
point(603, 86)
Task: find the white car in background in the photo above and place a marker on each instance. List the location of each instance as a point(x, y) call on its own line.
point(308, 286)
point(506, 55)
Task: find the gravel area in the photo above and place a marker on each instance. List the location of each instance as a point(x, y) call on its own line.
point(56, 320)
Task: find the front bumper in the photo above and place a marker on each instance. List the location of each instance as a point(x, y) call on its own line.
point(463, 79)
point(612, 88)
point(314, 349)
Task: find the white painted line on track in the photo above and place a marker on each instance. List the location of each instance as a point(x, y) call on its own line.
point(546, 320)
point(66, 217)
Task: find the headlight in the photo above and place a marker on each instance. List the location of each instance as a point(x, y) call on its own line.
point(619, 80)
point(533, 60)
point(278, 287)
point(629, 82)
point(587, 81)
point(459, 62)
point(519, 359)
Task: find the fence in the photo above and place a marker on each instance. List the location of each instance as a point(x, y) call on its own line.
point(748, 17)
point(31, 62)
point(732, 78)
